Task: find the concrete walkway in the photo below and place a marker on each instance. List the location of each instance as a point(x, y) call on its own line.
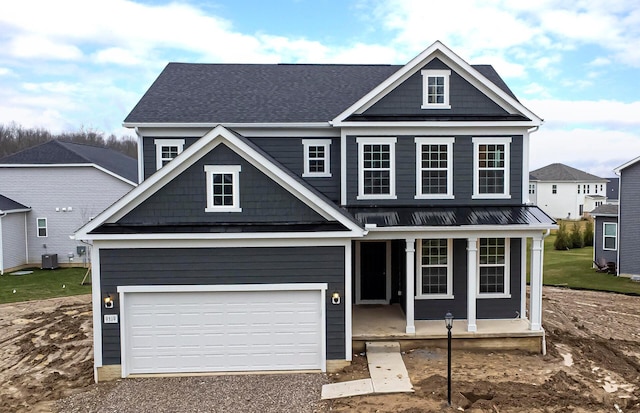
point(386, 368)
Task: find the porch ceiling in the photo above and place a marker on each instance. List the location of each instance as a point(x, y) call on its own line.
point(450, 216)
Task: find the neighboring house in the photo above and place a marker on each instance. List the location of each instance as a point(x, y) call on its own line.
point(13, 241)
point(564, 192)
point(277, 199)
point(64, 185)
point(628, 230)
point(613, 188)
point(605, 234)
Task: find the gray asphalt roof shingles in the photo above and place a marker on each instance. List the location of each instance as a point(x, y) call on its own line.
point(57, 152)
point(8, 204)
point(262, 93)
point(560, 172)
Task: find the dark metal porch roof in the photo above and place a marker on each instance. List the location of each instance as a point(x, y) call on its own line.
point(451, 216)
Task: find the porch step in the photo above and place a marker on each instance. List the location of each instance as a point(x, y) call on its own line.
point(382, 347)
point(386, 368)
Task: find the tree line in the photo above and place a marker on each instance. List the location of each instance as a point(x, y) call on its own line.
point(14, 138)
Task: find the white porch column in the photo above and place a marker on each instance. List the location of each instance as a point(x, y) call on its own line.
point(472, 285)
point(410, 284)
point(535, 304)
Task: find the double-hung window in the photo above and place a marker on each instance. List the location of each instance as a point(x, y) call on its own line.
point(41, 227)
point(376, 170)
point(493, 267)
point(491, 168)
point(434, 168)
point(610, 236)
point(223, 188)
point(166, 150)
point(317, 157)
point(434, 275)
point(435, 89)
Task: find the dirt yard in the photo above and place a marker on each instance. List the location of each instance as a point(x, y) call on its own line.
point(592, 365)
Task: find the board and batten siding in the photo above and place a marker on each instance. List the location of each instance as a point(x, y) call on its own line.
point(464, 98)
point(87, 190)
point(486, 308)
point(629, 216)
point(220, 266)
point(463, 164)
point(598, 239)
point(13, 240)
point(183, 200)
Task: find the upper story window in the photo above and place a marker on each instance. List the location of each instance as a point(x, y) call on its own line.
point(578, 188)
point(532, 189)
point(435, 269)
point(554, 189)
point(491, 168)
point(434, 168)
point(435, 89)
point(41, 224)
point(317, 161)
point(223, 188)
point(610, 236)
point(376, 168)
point(166, 150)
point(493, 267)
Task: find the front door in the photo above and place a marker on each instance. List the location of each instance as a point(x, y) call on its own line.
point(373, 276)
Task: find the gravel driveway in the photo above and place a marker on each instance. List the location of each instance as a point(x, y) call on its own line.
point(236, 393)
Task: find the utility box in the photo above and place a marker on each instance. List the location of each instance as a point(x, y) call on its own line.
point(49, 261)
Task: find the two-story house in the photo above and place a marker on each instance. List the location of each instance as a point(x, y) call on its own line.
point(276, 199)
point(565, 192)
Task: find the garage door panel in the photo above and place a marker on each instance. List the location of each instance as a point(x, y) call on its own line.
point(223, 331)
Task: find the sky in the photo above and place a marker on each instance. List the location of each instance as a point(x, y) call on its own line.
point(72, 64)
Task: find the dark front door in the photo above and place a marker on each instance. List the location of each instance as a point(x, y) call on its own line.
point(373, 272)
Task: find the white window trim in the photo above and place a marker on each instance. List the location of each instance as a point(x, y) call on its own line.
point(449, 294)
point(604, 236)
point(326, 143)
point(160, 143)
point(507, 272)
point(391, 141)
point(434, 141)
point(46, 228)
point(210, 170)
point(476, 169)
point(426, 73)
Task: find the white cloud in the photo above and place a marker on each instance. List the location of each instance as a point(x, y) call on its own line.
point(26, 47)
point(600, 61)
point(5, 71)
point(118, 56)
point(596, 113)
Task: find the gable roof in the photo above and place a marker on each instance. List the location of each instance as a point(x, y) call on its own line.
point(243, 147)
point(605, 210)
point(266, 93)
point(557, 172)
point(9, 205)
point(626, 165)
point(55, 152)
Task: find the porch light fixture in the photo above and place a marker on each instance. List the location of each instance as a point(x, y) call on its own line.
point(108, 301)
point(448, 320)
point(335, 298)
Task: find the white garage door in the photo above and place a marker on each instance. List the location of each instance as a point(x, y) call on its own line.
point(195, 331)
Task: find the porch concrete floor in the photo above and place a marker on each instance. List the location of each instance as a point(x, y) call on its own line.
point(371, 322)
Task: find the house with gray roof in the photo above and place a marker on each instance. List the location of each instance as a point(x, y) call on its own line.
point(56, 187)
point(278, 202)
point(564, 192)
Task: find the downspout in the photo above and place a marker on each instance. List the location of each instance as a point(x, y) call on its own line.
point(2, 215)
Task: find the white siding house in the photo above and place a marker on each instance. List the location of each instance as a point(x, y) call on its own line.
point(564, 192)
point(64, 185)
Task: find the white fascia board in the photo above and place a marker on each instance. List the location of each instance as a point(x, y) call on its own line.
point(188, 157)
point(14, 211)
point(439, 50)
point(227, 125)
point(440, 124)
point(68, 165)
point(390, 128)
point(221, 288)
point(625, 165)
point(458, 232)
point(223, 236)
point(223, 243)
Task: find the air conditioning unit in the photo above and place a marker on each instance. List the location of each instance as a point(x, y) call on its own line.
point(49, 261)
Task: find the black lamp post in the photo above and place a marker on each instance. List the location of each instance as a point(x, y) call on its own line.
point(448, 319)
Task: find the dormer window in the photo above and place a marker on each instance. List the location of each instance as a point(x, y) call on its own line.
point(435, 89)
point(166, 150)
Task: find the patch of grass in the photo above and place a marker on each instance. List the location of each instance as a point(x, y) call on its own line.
point(573, 268)
point(43, 284)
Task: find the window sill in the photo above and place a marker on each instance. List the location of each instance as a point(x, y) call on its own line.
point(434, 297)
point(322, 175)
point(365, 197)
point(492, 295)
point(491, 196)
point(439, 196)
point(432, 106)
point(224, 209)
